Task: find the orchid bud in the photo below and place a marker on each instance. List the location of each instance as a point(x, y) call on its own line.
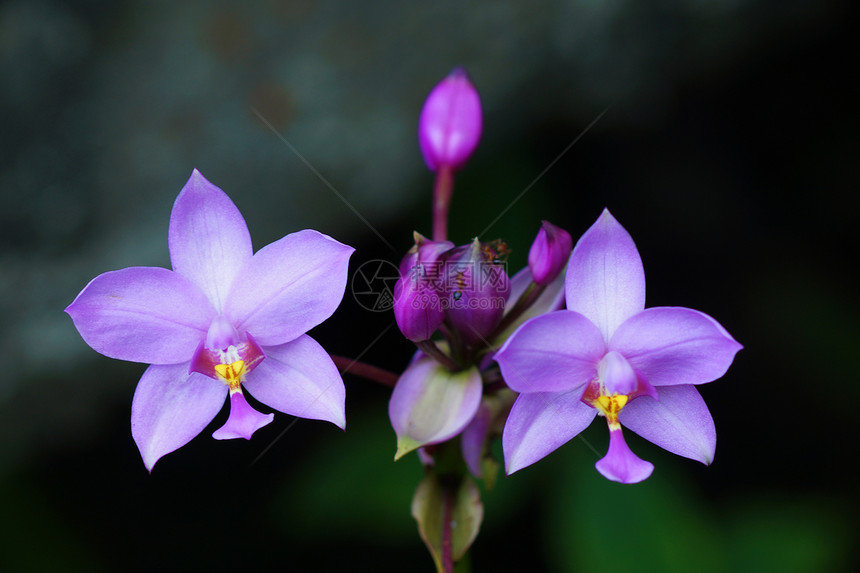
point(431, 404)
point(476, 289)
point(549, 253)
point(417, 308)
point(450, 124)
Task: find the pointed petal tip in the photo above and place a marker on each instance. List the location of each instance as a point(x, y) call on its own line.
point(513, 466)
point(405, 444)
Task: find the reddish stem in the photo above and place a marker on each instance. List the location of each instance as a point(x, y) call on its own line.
point(442, 190)
point(350, 366)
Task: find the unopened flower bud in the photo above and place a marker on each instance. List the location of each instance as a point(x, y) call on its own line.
point(476, 289)
point(549, 253)
point(417, 308)
point(450, 124)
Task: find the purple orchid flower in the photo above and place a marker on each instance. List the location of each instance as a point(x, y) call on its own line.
point(608, 355)
point(225, 318)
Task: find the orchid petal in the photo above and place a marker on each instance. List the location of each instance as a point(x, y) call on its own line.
point(142, 314)
point(620, 463)
point(675, 345)
point(208, 239)
point(170, 407)
point(616, 374)
point(300, 379)
point(288, 287)
point(605, 280)
point(473, 439)
point(555, 352)
point(429, 404)
point(679, 422)
point(540, 423)
point(243, 421)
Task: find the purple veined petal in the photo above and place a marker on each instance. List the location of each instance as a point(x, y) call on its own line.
point(300, 379)
point(675, 345)
point(142, 314)
point(540, 423)
point(555, 352)
point(170, 407)
point(243, 421)
point(289, 286)
point(679, 422)
point(620, 463)
point(429, 404)
point(605, 280)
point(208, 238)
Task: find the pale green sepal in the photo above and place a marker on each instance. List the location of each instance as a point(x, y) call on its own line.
point(431, 404)
point(466, 514)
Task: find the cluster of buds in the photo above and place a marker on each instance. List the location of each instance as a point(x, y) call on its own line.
point(458, 304)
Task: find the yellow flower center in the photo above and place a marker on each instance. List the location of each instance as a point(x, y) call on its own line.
point(610, 406)
point(232, 374)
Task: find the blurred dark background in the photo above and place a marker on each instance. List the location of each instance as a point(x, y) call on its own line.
point(728, 149)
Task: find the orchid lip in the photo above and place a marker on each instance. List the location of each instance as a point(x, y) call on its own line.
point(229, 365)
point(243, 420)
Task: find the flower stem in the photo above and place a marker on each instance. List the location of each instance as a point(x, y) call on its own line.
point(429, 348)
point(348, 365)
point(442, 190)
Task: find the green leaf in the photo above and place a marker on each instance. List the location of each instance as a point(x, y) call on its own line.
point(460, 499)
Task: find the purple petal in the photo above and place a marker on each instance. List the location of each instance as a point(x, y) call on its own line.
point(300, 379)
point(555, 352)
point(473, 438)
point(616, 374)
point(289, 286)
point(679, 422)
point(243, 420)
point(540, 423)
point(620, 464)
point(674, 345)
point(170, 407)
point(208, 238)
point(605, 280)
point(429, 404)
point(142, 314)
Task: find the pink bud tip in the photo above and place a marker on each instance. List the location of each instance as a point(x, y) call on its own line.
point(451, 122)
point(549, 253)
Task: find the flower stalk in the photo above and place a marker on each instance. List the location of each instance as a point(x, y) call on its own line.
point(367, 371)
point(442, 191)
